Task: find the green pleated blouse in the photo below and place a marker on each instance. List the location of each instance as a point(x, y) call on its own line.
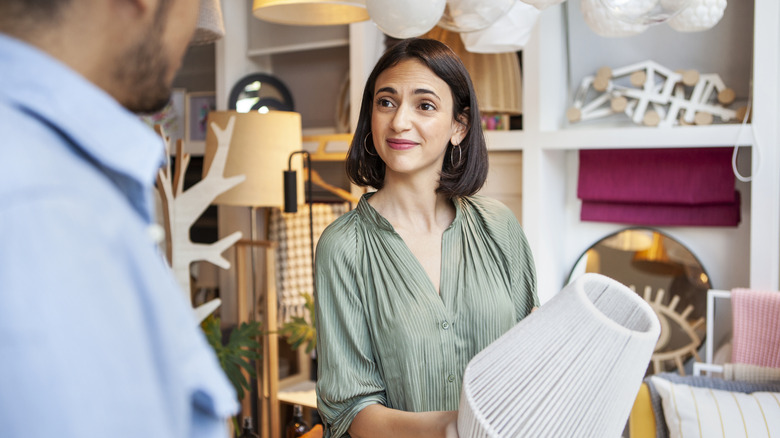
point(384, 334)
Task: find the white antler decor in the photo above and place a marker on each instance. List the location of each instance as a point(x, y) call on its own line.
point(182, 208)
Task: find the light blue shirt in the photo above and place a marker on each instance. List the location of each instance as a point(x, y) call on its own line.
point(96, 338)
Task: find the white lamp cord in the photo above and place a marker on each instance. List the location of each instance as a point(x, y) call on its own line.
point(756, 156)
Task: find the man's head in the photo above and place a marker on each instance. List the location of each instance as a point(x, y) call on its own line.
point(130, 48)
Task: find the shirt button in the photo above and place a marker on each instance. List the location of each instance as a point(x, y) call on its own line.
point(451, 378)
point(445, 325)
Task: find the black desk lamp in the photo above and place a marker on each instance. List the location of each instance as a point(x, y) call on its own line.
point(291, 195)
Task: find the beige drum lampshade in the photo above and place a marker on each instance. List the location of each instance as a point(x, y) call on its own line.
point(311, 12)
point(259, 149)
point(570, 369)
point(496, 76)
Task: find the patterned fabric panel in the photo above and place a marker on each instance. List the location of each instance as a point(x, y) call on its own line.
point(294, 270)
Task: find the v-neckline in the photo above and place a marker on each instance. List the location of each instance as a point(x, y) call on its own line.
point(382, 222)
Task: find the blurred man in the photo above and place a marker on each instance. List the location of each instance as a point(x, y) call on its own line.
point(95, 337)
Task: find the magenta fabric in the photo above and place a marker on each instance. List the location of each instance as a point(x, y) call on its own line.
point(714, 215)
point(756, 325)
point(689, 186)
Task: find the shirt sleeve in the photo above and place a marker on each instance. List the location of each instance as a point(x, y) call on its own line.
point(505, 229)
point(522, 270)
point(348, 378)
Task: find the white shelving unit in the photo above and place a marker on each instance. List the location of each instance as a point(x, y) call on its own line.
point(745, 256)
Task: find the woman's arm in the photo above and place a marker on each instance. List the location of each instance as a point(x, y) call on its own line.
point(377, 421)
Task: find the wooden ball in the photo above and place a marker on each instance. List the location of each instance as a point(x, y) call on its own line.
point(741, 112)
point(702, 118)
point(573, 114)
point(690, 77)
point(600, 83)
point(651, 118)
point(604, 72)
point(638, 78)
point(726, 96)
point(682, 120)
point(618, 104)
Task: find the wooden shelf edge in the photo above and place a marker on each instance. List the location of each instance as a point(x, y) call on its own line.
point(325, 44)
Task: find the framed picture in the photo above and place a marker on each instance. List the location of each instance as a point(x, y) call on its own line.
point(170, 118)
point(197, 107)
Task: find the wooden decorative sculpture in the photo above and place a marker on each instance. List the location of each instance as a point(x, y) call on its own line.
point(182, 208)
point(672, 321)
point(654, 96)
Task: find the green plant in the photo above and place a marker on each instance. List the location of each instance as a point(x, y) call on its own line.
point(299, 331)
point(238, 353)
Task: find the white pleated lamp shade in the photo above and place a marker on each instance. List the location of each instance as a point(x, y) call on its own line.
point(311, 12)
point(211, 26)
point(572, 368)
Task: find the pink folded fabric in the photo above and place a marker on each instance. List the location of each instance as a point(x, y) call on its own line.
point(756, 325)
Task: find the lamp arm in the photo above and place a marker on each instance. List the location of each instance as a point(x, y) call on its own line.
point(307, 156)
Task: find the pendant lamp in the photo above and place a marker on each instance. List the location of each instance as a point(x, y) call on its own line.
point(311, 12)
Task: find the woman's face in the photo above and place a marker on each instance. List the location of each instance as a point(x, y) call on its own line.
point(412, 121)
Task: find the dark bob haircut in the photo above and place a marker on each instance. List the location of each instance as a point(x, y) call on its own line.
point(469, 174)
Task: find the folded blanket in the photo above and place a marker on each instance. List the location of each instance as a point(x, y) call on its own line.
point(756, 327)
point(658, 176)
point(750, 373)
point(715, 215)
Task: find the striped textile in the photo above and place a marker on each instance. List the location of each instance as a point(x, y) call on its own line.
point(662, 430)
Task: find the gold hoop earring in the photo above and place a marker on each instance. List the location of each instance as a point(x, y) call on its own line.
point(452, 154)
point(365, 146)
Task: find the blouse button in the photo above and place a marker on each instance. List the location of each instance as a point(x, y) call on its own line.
point(445, 325)
point(451, 378)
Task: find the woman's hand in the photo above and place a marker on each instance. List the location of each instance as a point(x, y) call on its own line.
point(377, 421)
point(451, 430)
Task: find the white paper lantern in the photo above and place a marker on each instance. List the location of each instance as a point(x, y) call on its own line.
point(570, 369)
point(473, 15)
point(699, 15)
point(509, 34)
point(645, 11)
point(542, 4)
point(603, 22)
point(405, 18)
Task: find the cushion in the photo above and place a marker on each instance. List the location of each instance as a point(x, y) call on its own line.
point(662, 430)
point(700, 411)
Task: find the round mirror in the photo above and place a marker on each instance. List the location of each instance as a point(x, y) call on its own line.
point(668, 276)
point(260, 92)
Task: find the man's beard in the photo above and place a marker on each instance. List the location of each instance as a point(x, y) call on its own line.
point(143, 70)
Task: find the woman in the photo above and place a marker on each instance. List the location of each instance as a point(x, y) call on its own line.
point(423, 274)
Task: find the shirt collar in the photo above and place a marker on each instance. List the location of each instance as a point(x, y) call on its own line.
point(372, 216)
point(95, 122)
